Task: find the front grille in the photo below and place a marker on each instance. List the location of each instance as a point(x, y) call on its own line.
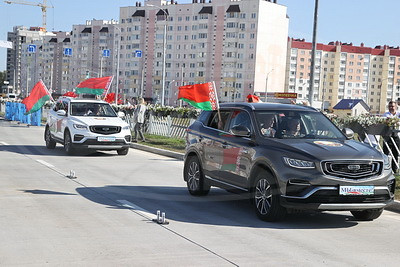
point(352, 169)
point(104, 129)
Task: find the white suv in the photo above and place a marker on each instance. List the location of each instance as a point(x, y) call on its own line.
point(86, 124)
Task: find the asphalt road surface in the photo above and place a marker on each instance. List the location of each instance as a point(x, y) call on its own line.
point(103, 217)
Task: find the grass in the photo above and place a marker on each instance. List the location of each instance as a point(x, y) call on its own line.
point(164, 142)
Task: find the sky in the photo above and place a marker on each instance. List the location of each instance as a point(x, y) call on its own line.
point(372, 22)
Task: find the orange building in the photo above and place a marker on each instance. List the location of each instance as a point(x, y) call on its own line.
point(344, 71)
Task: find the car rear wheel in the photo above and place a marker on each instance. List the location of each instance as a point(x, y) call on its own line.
point(50, 143)
point(123, 151)
point(266, 198)
point(366, 215)
point(194, 178)
point(68, 144)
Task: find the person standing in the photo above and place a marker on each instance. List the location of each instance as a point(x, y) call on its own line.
point(394, 146)
point(138, 118)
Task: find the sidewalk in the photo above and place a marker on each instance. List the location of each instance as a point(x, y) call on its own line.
point(395, 207)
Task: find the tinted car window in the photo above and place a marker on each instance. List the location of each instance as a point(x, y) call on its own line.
point(92, 109)
point(240, 118)
point(297, 124)
point(215, 121)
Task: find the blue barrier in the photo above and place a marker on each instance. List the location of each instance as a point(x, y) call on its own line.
point(15, 112)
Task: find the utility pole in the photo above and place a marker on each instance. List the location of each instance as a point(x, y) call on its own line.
point(118, 43)
point(314, 47)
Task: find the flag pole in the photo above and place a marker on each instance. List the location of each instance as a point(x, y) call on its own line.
point(109, 85)
point(47, 90)
point(216, 100)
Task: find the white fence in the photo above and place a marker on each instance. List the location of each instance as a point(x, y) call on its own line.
point(164, 126)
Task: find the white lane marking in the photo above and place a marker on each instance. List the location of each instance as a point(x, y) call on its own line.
point(4, 144)
point(51, 167)
point(137, 209)
point(45, 163)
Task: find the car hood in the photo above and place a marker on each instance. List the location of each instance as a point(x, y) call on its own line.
point(111, 121)
point(329, 149)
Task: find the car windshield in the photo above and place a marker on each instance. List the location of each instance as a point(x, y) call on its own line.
point(296, 125)
point(92, 109)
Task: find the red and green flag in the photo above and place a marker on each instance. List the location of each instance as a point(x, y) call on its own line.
point(231, 159)
point(202, 96)
point(94, 86)
point(37, 98)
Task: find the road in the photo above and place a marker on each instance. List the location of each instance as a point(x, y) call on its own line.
point(103, 217)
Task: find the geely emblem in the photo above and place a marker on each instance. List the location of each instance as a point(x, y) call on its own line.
point(353, 167)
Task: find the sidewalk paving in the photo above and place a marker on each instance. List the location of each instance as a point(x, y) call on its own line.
point(395, 207)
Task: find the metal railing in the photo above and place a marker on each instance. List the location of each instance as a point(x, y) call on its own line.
point(163, 125)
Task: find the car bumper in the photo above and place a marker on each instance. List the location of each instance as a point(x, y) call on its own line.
point(328, 198)
point(93, 144)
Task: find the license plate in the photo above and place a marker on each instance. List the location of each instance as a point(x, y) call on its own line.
point(106, 138)
point(356, 190)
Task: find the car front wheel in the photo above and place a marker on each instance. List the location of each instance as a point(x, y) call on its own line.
point(50, 143)
point(266, 198)
point(194, 178)
point(123, 151)
point(366, 215)
point(68, 144)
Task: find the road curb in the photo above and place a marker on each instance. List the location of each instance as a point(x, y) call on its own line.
point(395, 207)
point(159, 151)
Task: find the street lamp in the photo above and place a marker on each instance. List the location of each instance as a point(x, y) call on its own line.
point(88, 74)
point(170, 91)
point(266, 84)
point(164, 51)
point(117, 76)
point(314, 48)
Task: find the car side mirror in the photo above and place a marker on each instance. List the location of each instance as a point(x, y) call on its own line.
point(240, 130)
point(121, 114)
point(61, 112)
point(348, 133)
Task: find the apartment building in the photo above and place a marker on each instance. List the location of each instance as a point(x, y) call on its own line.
point(233, 43)
point(17, 71)
point(47, 62)
point(344, 71)
point(240, 45)
point(94, 50)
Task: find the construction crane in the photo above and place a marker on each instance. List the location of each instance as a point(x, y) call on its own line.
point(43, 6)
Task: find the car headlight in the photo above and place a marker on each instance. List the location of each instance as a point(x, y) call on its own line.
point(126, 127)
point(387, 162)
point(300, 164)
point(80, 127)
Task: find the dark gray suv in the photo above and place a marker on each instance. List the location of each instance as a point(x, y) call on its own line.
point(286, 157)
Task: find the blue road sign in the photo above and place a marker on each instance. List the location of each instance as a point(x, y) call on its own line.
point(32, 48)
point(106, 53)
point(138, 53)
point(68, 51)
